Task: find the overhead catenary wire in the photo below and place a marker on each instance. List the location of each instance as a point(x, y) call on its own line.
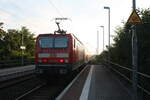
point(7, 12)
point(58, 11)
point(61, 18)
point(14, 16)
point(22, 17)
point(11, 14)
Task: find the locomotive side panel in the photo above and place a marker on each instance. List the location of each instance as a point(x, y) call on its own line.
point(78, 53)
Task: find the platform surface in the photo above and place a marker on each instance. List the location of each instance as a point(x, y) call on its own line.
point(106, 86)
point(99, 84)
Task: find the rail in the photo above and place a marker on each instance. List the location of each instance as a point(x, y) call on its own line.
point(128, 79)
point(14, 63)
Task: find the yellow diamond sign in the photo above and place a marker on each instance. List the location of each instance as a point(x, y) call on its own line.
point(134, 18)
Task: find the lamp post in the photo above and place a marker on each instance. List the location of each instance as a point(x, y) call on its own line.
point(97, 42)
point(108, 8)
point(103, 36)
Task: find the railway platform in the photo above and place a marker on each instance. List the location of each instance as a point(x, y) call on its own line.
point(10, 73)
point(95, 82)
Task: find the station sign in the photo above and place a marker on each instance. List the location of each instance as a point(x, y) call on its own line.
point(134, 18)
point(22, 47)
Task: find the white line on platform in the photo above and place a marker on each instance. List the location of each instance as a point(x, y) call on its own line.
point(86, 88)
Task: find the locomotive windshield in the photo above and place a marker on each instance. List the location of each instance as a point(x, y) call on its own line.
point(53, 42)
point(61, 42)
point(46, 42)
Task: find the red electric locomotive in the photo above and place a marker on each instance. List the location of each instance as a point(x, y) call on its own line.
point(59, 53)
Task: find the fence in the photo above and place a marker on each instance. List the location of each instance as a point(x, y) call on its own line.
point(143, 79)
point(16, 62)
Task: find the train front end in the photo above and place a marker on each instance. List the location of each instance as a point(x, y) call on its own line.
point(53, 54)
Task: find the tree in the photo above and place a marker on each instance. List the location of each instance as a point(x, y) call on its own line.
point(2, 46)
point(11, 41)
point(28, 41)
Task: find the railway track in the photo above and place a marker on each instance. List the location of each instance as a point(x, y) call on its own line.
point(11, 89)
point(41, 92)
point(11, 82)
point(31, 87)
point(49, 90)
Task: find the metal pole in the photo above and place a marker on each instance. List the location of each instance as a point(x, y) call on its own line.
point(108, 31)
point(109, 27)
point(97, 42)
point(103, 36)
point(134, 58)
point(134, 61)
point(22, 51)
point(134, 4)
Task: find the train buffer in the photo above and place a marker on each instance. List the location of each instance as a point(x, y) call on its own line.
point(95, 82)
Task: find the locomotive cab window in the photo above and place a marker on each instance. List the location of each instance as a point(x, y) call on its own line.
point(46, 42)
point(61, 42)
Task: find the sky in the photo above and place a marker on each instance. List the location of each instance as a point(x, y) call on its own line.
point(86, 17)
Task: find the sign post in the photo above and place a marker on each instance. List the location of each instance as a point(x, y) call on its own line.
point(22, 59)
point(134, 62)
point(134, 19)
